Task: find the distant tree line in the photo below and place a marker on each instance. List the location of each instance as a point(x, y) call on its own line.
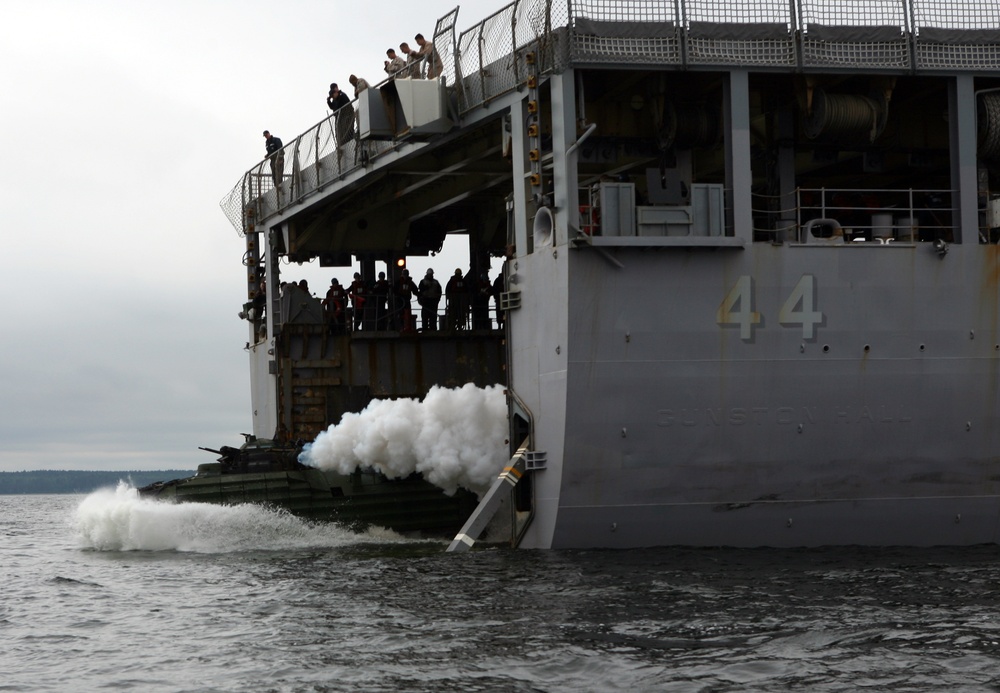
point(72, 481)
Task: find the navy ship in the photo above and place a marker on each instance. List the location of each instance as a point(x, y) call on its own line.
point(750, 266)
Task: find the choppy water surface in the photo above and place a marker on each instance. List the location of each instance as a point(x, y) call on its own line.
point(110, 592)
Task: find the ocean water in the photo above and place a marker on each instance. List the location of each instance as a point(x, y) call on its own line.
point(109, 592)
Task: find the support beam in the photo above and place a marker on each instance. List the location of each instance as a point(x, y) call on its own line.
point(519, 162)
point(962, 132)
point(785, 131)
point(565, 185)
point(739, 177)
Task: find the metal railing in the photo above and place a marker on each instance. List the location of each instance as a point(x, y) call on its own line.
point(396, 315)
point(492, 56)
point(856, 215)
point(489, 60)
point(404, 316)
point(321, 155)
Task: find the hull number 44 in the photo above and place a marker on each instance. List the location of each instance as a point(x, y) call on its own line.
point(798, 310)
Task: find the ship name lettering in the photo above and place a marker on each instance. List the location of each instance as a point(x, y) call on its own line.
point(684, 417)
point(867, 414)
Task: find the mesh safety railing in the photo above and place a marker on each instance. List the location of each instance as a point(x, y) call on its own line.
point(853, 33)
point(951, 34)
point(622, 31)
point(492, 55)
point(491, 59)
point(322, 154)
point(751, 32)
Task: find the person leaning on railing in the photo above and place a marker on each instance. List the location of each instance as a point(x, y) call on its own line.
point(429, 55)
point(359, 84)
point(394, 67)
point(394, 64)
point(413, 61)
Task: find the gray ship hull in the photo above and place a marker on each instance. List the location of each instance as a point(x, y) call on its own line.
point(878, 428)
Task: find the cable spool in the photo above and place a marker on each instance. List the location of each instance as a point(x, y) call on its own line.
point(668, 128)
point(988, 121)
point(845, 117)
point(697, 126)
point(688, 126)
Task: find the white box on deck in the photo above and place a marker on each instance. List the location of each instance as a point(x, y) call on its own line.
point(617, 204)
point(425, 106)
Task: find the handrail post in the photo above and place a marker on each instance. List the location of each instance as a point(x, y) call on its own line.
point(798, 213)
point(679, 9)
point(911, 32)
point(243, 200)
point(482, 68)
point(316, 153)
point(296, 185)
point(513, 39)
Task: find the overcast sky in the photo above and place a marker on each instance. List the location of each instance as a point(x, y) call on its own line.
point(124, 123)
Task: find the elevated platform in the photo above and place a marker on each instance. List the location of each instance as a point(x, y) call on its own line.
point(894, 37)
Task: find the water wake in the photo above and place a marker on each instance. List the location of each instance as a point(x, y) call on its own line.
point(119, 520)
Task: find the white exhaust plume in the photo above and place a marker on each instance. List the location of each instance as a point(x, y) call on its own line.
point(453, 438)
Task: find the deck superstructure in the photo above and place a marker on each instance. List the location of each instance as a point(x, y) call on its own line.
point(752, 265)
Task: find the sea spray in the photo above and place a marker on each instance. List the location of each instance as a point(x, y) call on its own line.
point(119, 520)
point(454, 438)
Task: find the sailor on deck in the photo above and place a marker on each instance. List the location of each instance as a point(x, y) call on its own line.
point(413, 61)
point(497, 293)
point(359, 84)
point(380, 295)
point(457, 293)
point(429, 296)
point(429, 56)
point(358, 293)
point(394, 64)
point(335, 305)
point(276, 157)
point(340, 104)
point(402, 295)
point(481, 303)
